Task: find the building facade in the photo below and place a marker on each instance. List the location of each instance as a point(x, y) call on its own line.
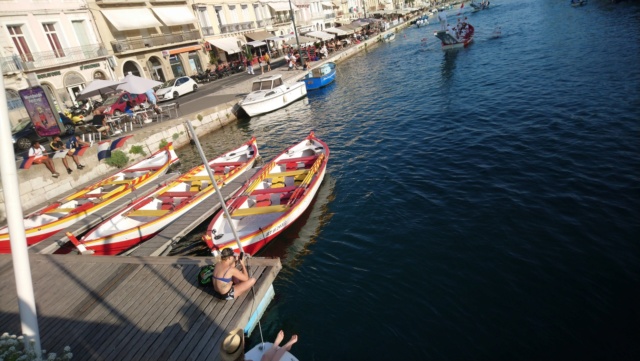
point(50, 43)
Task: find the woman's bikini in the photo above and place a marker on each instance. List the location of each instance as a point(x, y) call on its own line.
point(229, 295)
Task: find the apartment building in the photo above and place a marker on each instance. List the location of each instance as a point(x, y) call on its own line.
point(156, 39)
point(51, 43)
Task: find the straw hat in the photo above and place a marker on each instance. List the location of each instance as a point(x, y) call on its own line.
point(232, 347)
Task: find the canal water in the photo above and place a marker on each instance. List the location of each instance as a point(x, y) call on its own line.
point(481, 204)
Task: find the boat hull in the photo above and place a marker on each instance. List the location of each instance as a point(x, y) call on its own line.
point(312, 82)
point(62, 214)
point(125, 230)
point(271, 103)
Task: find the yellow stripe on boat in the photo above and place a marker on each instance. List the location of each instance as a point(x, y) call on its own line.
point(202, 178)
point(126, 181)
point(148, 213)
point(290, 173)
point(254, 211)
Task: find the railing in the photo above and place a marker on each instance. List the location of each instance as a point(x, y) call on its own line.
point(281, 20)
point(207, 30)
point(41, 59)
point(330, 16)
point(230, 28)
point(264, 22)
point(153, 40)
point(316, 16)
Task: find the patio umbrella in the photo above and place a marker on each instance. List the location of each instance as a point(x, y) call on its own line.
point(303, 40)
point(137, 85)
point(98, 87)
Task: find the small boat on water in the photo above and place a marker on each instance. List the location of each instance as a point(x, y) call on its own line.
point(272, 199)
point(577, 3)
point(422, 21)
point(63, 213)
point(483, 5)
point(320, 76)
point(451, 42)
point(149, 215)
point(270, 93)
point(389, 37)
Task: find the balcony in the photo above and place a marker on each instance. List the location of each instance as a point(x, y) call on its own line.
point(281, 20)
point(207, 30)
point(330, 16)
point(44, 59)
point(232, 28)
point(264, 23)
point(153, 40)
point(317, 16)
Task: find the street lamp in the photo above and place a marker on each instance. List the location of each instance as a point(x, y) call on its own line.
point(295, 30)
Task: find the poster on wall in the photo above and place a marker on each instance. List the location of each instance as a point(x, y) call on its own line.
point(42, 116)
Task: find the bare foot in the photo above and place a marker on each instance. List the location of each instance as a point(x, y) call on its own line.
point(279, 338)
point(293, 340)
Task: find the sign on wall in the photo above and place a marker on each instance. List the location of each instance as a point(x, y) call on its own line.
point(42, 116)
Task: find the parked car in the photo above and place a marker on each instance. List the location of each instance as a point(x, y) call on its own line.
point(174, 88)
point(117, 103)
point(24, 133)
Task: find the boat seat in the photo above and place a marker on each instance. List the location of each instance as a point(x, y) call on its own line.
point(203, 178)
point(307, 159)
point(263, 200)
point(147, 213)
point(254, 211)
point(274, 190)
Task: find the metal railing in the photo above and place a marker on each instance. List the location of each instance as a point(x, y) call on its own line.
point(330, 16)
point(281, 20)
point(207, 30)
point(231, 28)
point(264, 22)
point(154, 40)
point(42, 59)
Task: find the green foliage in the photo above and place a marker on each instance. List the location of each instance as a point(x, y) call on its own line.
point(163, 143)
point(199, 116)
point(12, 349)
point(213, 59)
point(118, 159)
point(137, 149)
point(175, 136)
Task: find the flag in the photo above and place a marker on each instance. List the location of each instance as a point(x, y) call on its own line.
point(103, 150)
point(119, 142)
point(81, 150)
point(26, 163)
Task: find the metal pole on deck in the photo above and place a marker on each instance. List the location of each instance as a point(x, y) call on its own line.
point(293, 20)
point(213, 181)
point(17, 235)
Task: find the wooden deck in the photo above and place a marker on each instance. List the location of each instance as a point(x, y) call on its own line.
point(161, 242)
point(53, 243)
point(130, 308)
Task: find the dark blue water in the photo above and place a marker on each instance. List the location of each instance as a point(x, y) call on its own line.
point(482, 204)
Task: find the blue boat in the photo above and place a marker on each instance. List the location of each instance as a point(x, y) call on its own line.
point(320, 76)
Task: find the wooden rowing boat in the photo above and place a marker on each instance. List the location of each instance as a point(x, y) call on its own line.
point(149, 215)
point(272, 199)
point(61, 214)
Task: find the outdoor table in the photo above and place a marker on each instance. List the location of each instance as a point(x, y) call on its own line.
point(168, 110)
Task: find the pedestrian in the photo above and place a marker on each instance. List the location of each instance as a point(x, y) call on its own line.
point(442, 16)
point(229, 282)
point(267, 59)
point(249, 67)
point(262, 64)
point(152, 99)
point(70, 148)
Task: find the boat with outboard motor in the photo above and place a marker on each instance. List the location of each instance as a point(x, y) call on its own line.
point(321, 76)
point(271, 93)
point(149, 215)
point(271, 200)
point(63, 213)
point(454, 41)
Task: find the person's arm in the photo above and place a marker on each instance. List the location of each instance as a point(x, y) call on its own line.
point(242, 274)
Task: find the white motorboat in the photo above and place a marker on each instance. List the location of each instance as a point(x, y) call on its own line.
point(270, 93)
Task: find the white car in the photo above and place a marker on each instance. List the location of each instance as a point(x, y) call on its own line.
point(174, 88)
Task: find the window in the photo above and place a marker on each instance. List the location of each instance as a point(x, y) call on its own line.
point(220, 14)
point(258, 11)
point(52, 36)
point(202, 15)
point(19, 41)
point(245, 12)
point(234, 14)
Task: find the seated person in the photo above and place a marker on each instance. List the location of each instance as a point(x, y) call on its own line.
point(228, 281)
point(40, 156)
point(58, 145)
point(100, 121)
